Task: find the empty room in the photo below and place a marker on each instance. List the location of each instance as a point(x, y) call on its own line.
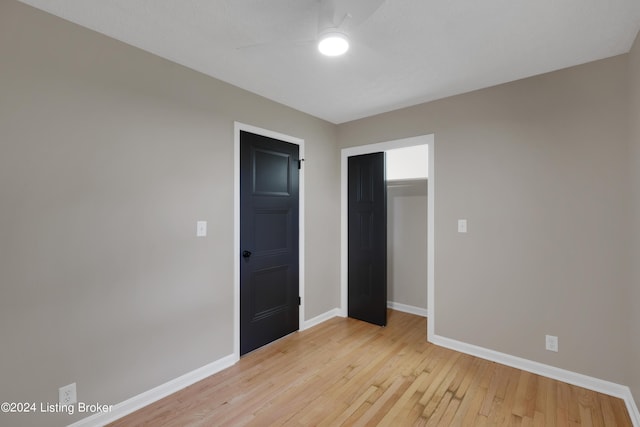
point(199, 224)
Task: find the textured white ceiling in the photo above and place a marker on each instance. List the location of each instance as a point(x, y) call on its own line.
point(407, 52)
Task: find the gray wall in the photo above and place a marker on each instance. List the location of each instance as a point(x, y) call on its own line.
point(634, 297)
point(407, 242)
point(539, 168)
point(108, 156)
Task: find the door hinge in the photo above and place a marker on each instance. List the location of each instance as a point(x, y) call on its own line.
point(299, 301)
point(300, 163)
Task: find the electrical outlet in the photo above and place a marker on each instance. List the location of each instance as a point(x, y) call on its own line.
point(67, 394)
point(551, 343)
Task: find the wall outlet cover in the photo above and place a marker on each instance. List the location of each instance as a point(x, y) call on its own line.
point(67, 394)
point(551, 343)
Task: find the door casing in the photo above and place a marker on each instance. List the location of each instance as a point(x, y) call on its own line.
point(236, 224)
point(344, 244)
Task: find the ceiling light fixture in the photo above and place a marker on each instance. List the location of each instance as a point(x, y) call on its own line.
point(333, 43)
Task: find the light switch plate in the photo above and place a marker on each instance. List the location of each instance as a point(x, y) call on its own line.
point(201, 229)
point(462, 226)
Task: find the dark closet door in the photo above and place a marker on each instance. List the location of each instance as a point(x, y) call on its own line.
point(269, 270)
point(367, 238)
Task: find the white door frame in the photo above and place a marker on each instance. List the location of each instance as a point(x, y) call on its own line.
point(374, 148)
point(236, 224)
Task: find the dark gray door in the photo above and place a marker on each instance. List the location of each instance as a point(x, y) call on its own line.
point(269, 303)
point(367, 238)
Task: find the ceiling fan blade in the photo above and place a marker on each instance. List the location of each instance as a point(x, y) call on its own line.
point(357, 11)
point(345, 14)
point(326, 15)
point(279, 45)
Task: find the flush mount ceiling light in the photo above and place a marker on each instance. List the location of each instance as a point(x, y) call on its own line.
point(333, 43)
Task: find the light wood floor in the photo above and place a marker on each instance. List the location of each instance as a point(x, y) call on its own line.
point(347, 372)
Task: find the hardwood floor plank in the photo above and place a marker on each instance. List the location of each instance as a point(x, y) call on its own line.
point(521, 404)
point(620, 411)
point(344, 372)
point(439, 410)
point(473, 370)
point(410, 394)
point(351, 409)
point(550, 405)
point(464, 365)
point(472, 400)
point(608, 414)
point(489, 396)
point(452, 408)
point(439, 394)
point(439, 383)
point(382, 404)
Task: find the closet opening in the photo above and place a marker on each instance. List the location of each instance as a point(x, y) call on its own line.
point(407, 171)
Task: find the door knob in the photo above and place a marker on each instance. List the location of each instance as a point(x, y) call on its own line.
point(246, 254)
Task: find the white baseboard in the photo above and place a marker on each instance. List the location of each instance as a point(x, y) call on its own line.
point(321, 318)
point(419, 311)
point(155, 394)
point(146, 398)
point(580, 380)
